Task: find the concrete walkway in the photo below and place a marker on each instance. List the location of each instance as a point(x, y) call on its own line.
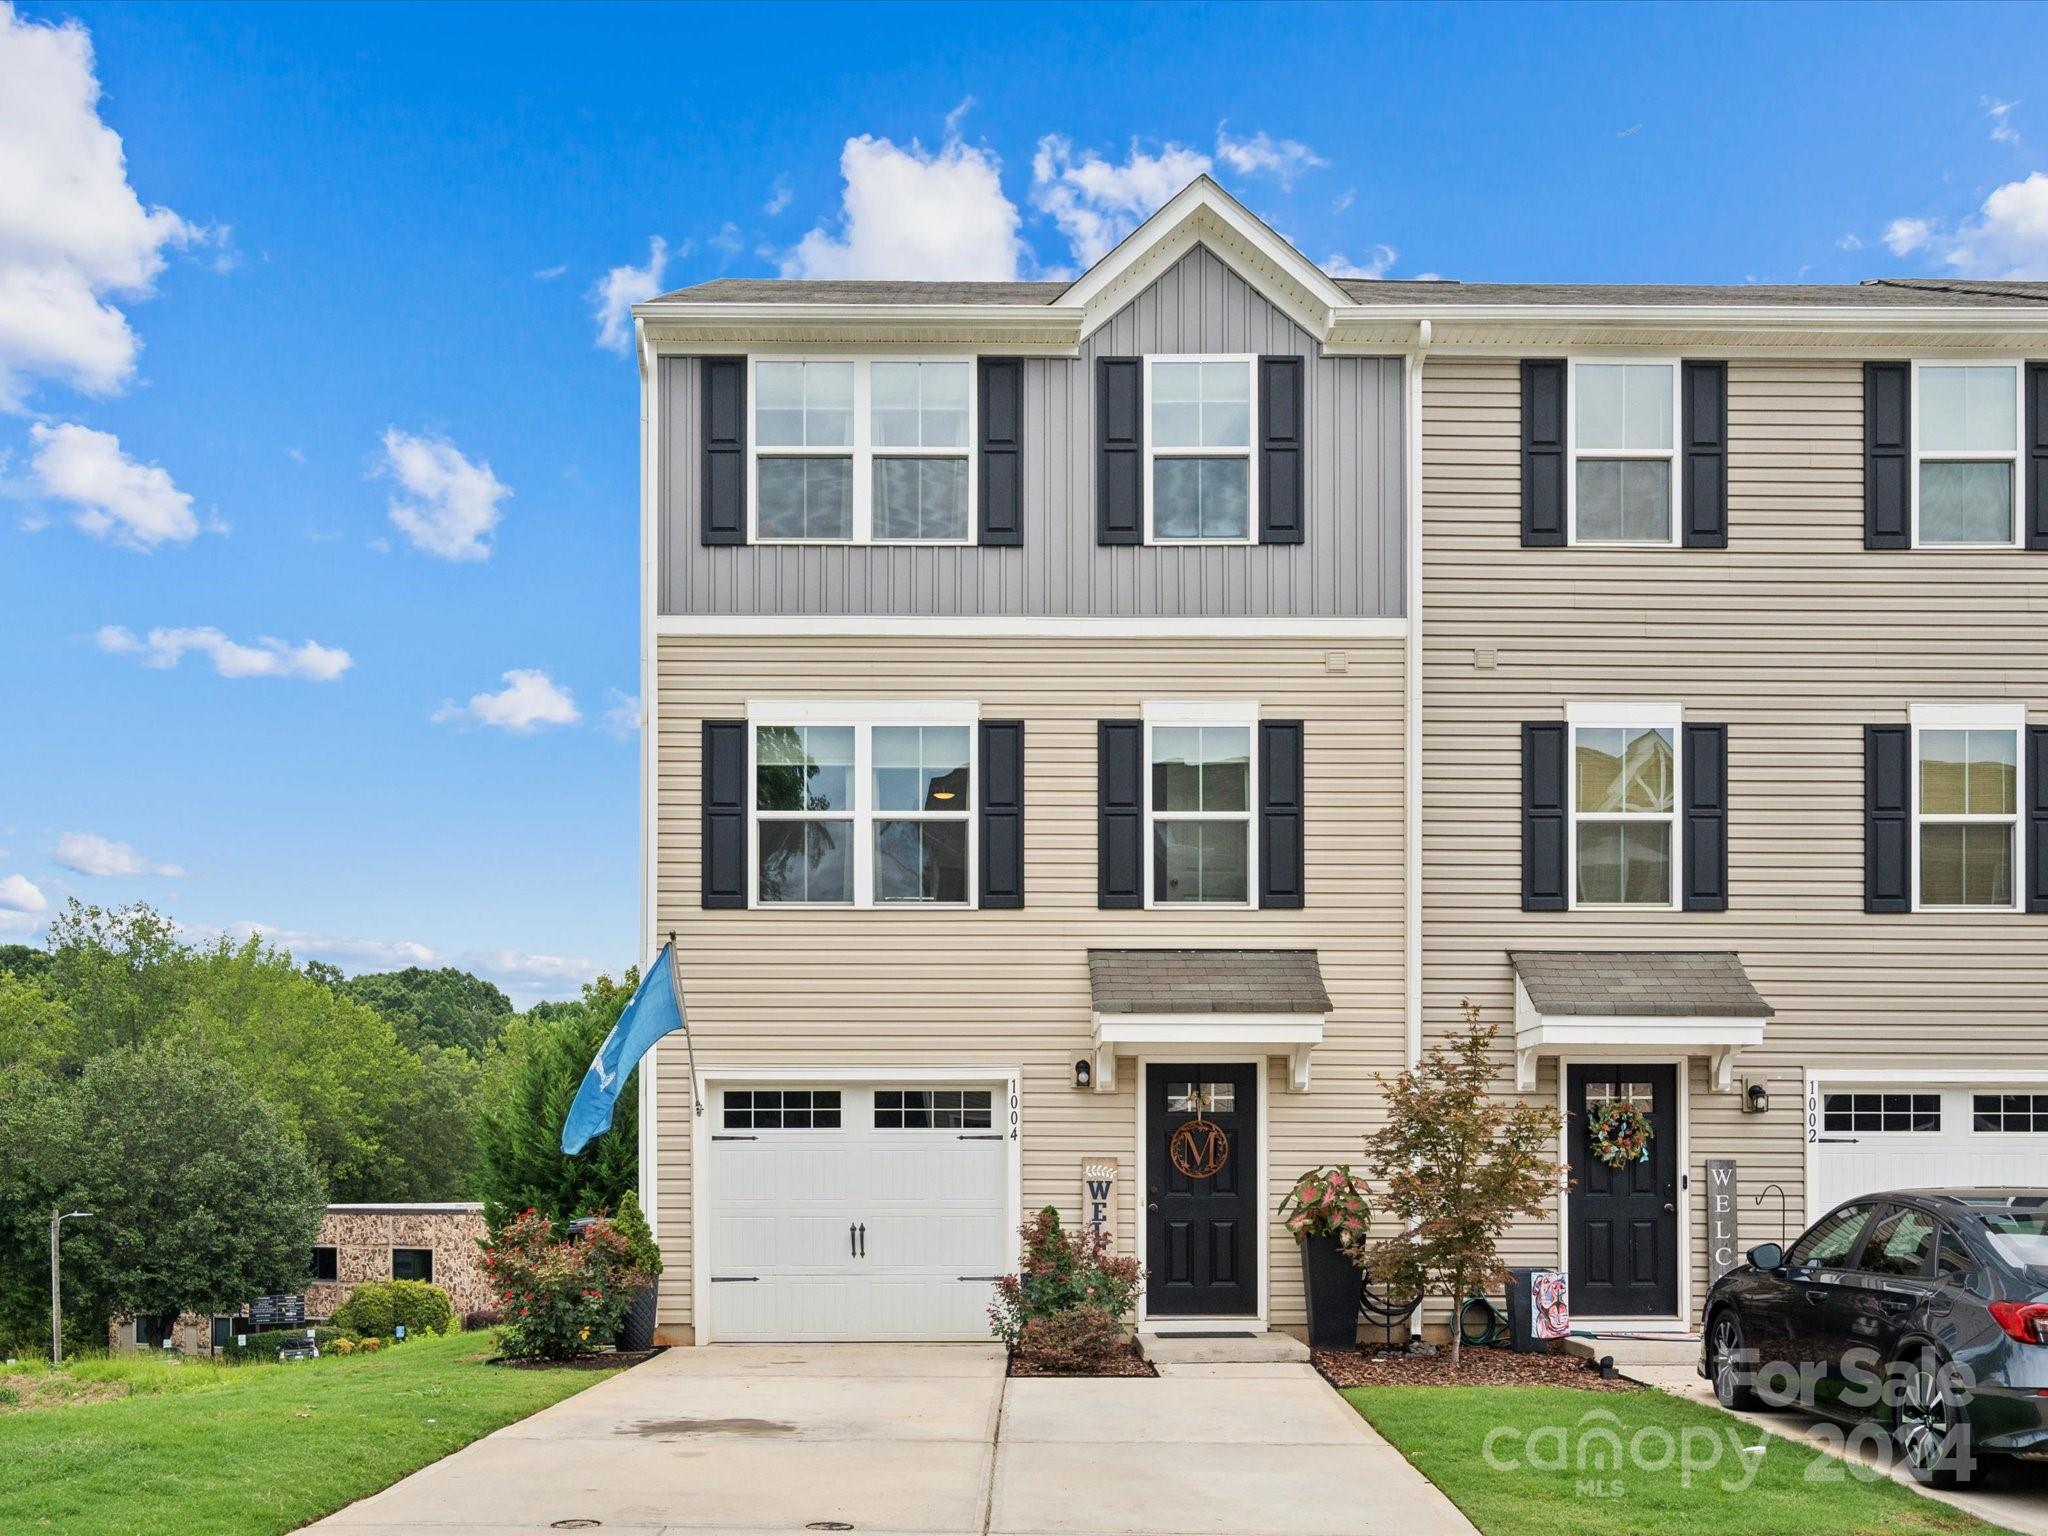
point(907, 1440)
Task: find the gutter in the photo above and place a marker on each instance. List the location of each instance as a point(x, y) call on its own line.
point(650, 550)
point(1411, 796)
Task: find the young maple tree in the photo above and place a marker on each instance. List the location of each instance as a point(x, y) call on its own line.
point(1455, 1166)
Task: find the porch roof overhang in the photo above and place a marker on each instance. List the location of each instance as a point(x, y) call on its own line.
point(1687, 1003)
point(1206, 1002)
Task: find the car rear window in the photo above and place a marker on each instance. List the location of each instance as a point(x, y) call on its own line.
point(2021, 1238)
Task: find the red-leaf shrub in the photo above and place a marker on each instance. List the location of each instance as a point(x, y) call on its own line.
point(560, 1298)
point(1064, 1309)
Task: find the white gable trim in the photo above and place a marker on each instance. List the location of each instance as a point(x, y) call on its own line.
point(1202, 213)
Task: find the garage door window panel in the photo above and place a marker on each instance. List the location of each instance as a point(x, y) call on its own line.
point(1878, 1112)
point(934, 1109)
point(782, 1109)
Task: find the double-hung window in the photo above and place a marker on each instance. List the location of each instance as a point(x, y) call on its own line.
point(1200, 790)
point(863, 450)
point(859, 804)
point(1624, 800)
point(1624, 437)
point(1966, 805)
point(1199, 485)
point(1966, 452)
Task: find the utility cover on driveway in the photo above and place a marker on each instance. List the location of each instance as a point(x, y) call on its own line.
point(891, 1440)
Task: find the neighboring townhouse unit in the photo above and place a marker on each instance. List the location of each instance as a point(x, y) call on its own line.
point(1025, 696)
point(1736, 745)
point(1076, 710)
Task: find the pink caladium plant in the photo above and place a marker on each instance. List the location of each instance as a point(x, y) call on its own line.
point(1329, 1202)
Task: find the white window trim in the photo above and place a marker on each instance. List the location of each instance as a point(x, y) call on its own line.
point(1197, 712)
point(1249, 453)
point(1571, 442)
point(863, 717)
point(1972, 717)
point(863, 451)
point(2014, 457)
point(1648, 716)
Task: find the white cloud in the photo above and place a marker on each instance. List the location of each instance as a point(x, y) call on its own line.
point(622, 714)
point(1850, 242)
point(780, 196)
point(268, 657)
point(549, 274)
point(1264, 155)
point(19, 894)
point(526, 976)
point(451, 504)
point(1096, 203)
point(613, 296)
point(72, 231)
point(728, 242)
point(2000, 113)
point(529, 699)
point(1343, 199)
point(913, 213)
point(1906, 236)
point(112, 497)
point(2009, 236)
point(85, 853)
point(1379, 259)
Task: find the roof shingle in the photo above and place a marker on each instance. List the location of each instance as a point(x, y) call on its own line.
point(1705, 983)
point(1207, 981)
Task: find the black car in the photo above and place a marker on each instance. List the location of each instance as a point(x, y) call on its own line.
point(1923, 1311)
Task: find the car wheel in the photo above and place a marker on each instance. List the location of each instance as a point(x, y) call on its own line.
point(1724, 1349)
point(1930, 1426)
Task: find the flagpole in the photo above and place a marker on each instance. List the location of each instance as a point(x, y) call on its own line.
point(675, 983)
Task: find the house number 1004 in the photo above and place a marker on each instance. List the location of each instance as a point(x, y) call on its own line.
point(1014, 1117)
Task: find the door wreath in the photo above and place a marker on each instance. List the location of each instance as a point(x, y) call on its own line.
point(1198, 1148)
point(1620, 1134)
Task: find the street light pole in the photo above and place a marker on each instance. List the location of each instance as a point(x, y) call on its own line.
point(57, 1220)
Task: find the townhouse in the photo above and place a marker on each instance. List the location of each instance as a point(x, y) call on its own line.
point(1079, 711)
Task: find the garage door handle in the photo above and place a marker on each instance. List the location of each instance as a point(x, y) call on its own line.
point(980, 1279)
point(852, 1251)
point(863, 1239)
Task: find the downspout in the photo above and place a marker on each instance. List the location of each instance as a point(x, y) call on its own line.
point(650, 554)
point(1411, 798)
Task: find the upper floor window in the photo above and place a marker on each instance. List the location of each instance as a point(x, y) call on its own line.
point(1966, 451)
point(1623, 443)
point(1624, 799)
point(1199, 799)
point(1199, 486)
point(853, 450)
point(863, 804)
point(1966, 804)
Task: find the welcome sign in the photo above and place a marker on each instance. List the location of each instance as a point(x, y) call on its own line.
point(1098, 1196)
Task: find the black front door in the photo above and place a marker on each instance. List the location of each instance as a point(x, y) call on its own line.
point(1201, 1228)
point(1623, 1259)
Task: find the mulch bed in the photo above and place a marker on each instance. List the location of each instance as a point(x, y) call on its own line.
point(607, 1360)
point(1481, 1366)
point(1125, 1362)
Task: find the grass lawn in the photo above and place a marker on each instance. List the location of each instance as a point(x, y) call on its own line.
point(1795, 1491)
point(249, 1450)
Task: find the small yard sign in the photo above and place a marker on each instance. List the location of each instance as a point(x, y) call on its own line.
point(1098, 1196)
point(1721, 1217)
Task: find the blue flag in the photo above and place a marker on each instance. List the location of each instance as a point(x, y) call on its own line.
point(656, 1010)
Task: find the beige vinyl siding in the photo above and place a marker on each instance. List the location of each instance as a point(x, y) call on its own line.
point(1004, 990)
point(1795, 637)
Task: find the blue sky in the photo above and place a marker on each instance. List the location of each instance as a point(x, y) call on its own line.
point(309, 434)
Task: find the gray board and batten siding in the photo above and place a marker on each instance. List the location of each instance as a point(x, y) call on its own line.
point(1348, 566)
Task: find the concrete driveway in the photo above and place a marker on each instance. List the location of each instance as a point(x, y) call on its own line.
point(890, 1440)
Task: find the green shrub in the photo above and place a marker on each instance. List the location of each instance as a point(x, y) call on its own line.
point(632, 1224)
point(376, 1308)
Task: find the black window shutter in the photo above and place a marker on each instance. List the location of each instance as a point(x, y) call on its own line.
point(1120, 450)
point(723, 517)
point(1543, 415)
point(1705, 882)
point(1546, 781)
point(2035, 441)
point(1120, 813)
point(1000, 493)
point(1283, 416)
point(724, 784)
point(1704, 390)
point(1002, 813)
point(1887, 818)
point(1887, 458)
point(2037, 818)
point(1281, 820)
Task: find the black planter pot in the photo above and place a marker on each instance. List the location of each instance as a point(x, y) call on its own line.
point(1334, 1287)
point(637, 1330)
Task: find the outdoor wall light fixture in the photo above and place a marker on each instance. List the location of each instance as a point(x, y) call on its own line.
point(1757, 1098)
point(1084, 1073)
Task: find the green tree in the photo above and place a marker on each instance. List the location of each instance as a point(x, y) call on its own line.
point(201, 1199)
point(545, 1053)
point(448, 1008)
point(1457, 1166)
point(28, 963)
point(123, 973)
point(37, 1031)
point(429, 1133)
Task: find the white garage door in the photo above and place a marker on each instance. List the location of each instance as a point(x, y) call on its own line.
point(1928, 1136)
point(857, 1212)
